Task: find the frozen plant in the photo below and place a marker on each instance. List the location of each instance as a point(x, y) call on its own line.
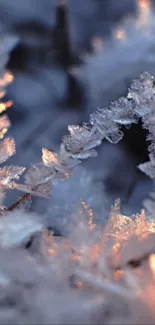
point(95, 273)
point(82, 141)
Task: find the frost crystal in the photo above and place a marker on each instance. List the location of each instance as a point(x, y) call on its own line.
point(125, 116)
point(49, 158)
point(79, 138)
point(103, 122)
point(7, 149)
point(9, 173)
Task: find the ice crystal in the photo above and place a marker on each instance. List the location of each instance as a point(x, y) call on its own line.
point(7, 149)
point(49, 158)
point(103, 122)
point(80, 139)
point(10, 173)
point(125, 116)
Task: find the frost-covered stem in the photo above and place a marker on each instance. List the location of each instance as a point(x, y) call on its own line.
point(106, 124)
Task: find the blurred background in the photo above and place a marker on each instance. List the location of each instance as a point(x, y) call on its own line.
point(71, 58)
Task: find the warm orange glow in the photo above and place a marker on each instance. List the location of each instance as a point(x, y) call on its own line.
point(75, 257)
point(152, 263)
point(66, 175)
point(94, 252)
point(8, 76)
point(4, 122)
point(51, 251)
point(2, 93)
point(118, 274)
point(91, 225)
point(144, 4)
point(120, 34)
point(6, 79)
point(144, 8)
point(52, 247)
point(87, 208)
point(4, 106)
point(79, 284)
point(48, 157)
point(48, 237)
point(116, 247)
point(108, 247)
point(3, 132)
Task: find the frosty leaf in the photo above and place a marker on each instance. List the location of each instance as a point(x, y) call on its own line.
point(49, 158)
point(16, 228)
point(7, 149)
point(9, 173)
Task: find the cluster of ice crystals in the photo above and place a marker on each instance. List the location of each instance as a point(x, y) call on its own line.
point(106, 123)
point(9, 173)
point(102, 121)
point(7, 149)
point(80, 141)
point(126, 116)
point(83, 278)
point(88, 275)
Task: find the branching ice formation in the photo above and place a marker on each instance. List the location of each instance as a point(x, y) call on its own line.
point(81, 142)
point(95, 274)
